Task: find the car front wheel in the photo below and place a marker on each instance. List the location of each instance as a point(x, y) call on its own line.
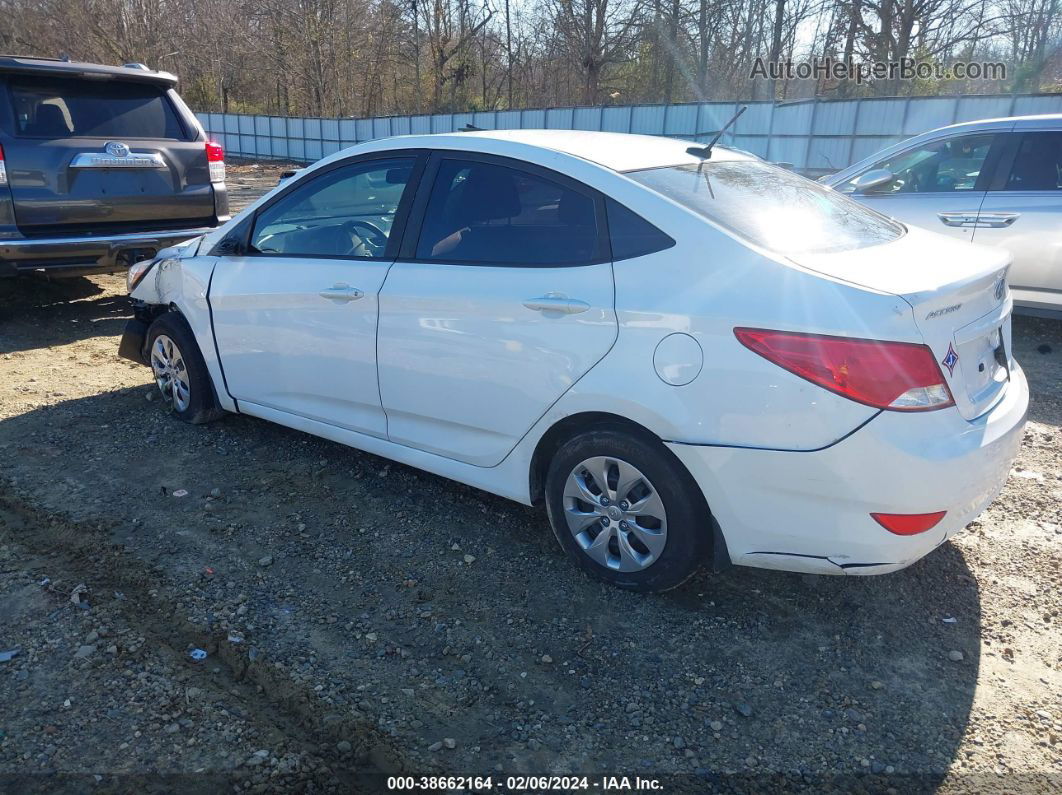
point(179, 370)
point(627, 510)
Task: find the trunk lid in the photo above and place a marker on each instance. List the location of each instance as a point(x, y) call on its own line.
point(102, 156)
point(958, 296)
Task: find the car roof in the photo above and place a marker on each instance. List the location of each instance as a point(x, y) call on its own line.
point(616, 151)
point(1003, 121)
point(53, 67)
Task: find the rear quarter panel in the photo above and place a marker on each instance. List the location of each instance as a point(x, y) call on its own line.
point(705, 286)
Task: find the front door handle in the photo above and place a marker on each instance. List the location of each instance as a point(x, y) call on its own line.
point(556, 302)
point(341, 292)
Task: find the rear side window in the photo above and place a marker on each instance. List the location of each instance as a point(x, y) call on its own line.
point(64, 108)
point(772, 207)
point(483, 213)
point(631, 235)
point(1038, 163)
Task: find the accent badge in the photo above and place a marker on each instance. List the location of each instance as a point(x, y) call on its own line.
point(950, 360)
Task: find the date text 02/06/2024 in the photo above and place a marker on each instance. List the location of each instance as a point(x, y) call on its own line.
point(524, 783)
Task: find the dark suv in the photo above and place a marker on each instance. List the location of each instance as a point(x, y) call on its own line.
point(100, 167)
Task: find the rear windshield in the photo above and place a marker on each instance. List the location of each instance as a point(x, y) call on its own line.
point(65, 108)
point(771, 207)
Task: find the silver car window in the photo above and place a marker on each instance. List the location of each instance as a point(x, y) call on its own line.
point(771, 207)
point(944, 166)
point(1037, 163)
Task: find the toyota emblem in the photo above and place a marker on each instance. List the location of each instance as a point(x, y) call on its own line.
point(117, 149)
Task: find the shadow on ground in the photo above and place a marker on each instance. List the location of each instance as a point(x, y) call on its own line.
point(1038, 348)
point(383, 580)
point(38, 313)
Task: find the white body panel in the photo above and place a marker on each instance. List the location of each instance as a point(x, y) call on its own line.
point(286, 346)
point(811, 511)
point(466, 368)
point(470, 380)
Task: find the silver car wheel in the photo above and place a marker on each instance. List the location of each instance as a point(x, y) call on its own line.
point(615, 514)
point(171, 374)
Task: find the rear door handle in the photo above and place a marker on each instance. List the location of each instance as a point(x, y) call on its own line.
point(341, 292)
point(966, 218)
point(978, 220)
point(996, 220)
point(556, 302)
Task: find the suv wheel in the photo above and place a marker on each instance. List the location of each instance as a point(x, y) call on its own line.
point(627, 511)
point(179, 370)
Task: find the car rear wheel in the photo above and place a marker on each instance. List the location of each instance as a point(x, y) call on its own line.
point(179, 370)
point(627, 511)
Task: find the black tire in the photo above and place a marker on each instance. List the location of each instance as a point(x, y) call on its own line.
point(201, 404)
point(688, 536)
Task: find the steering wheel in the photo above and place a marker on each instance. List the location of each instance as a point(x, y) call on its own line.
point(374, 242)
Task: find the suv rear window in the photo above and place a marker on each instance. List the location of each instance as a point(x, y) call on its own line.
point(65, 108)
point(771, 207)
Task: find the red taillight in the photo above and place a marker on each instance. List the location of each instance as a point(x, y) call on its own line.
point(901, 376)
point(215, 161)
point(3, 167)
point(908, 524)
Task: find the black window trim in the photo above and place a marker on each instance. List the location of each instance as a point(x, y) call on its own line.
point(983, 178)
point(1014, 140)
point(415, 222)
point(240, 238)
point(612, 253)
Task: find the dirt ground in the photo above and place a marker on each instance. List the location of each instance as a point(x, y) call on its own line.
point(361, 618)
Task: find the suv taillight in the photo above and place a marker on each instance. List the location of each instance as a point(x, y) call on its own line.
point(901, 376)
point(3, 167)
point(215, 161)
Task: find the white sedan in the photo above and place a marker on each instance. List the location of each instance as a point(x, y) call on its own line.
point(688, 355)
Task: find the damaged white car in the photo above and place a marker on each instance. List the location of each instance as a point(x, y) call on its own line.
point(688, 355)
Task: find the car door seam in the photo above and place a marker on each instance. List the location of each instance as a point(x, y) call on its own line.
point(615, 339)
point(214, 337)
point(376, 346)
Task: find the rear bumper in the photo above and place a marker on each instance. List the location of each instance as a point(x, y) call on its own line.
point(810, 511)
point(97, 254)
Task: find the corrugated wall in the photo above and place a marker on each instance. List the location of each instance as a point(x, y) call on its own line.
point(813, 135)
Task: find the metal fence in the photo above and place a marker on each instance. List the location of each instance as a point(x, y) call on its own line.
point(813, 135)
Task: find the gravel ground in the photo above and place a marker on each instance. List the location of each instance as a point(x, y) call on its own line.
point(362, 618)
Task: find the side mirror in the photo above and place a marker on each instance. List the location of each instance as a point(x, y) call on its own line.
point(875, 178)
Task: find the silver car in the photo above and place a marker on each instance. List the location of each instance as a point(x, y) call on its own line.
point(996, 182)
